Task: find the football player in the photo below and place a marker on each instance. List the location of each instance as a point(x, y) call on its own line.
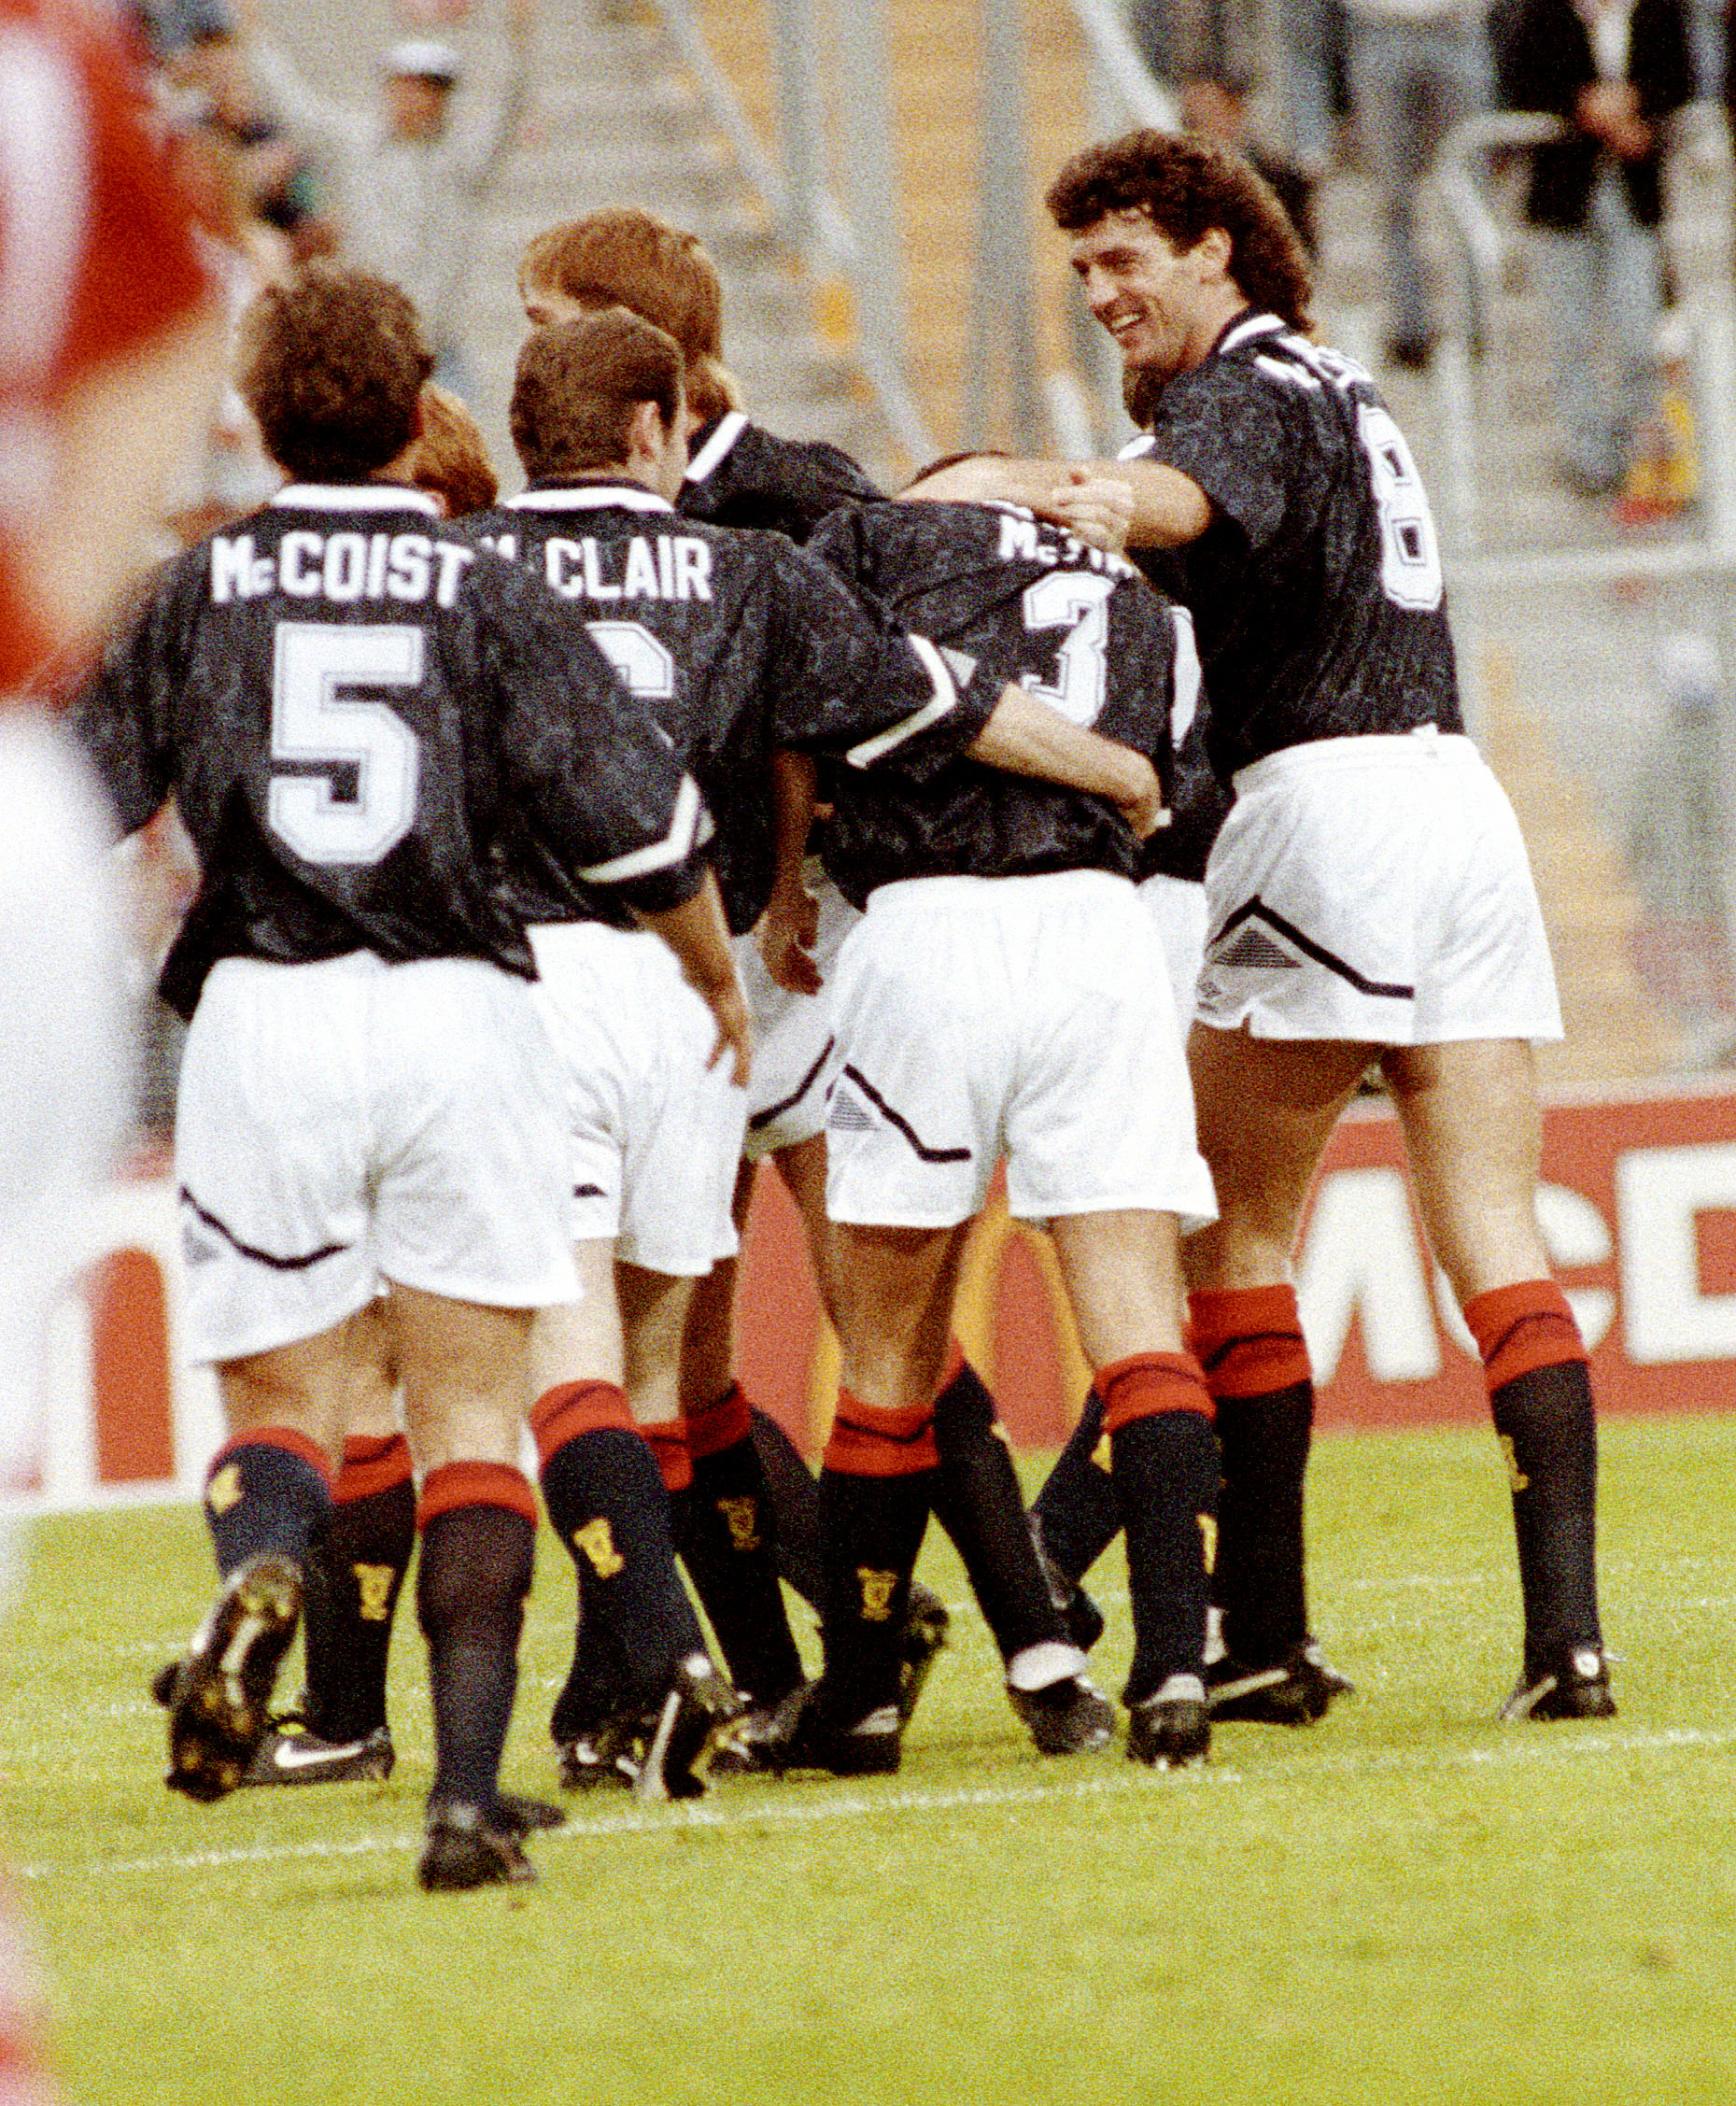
point(347, 705)
point(112, 337)
point(1370, 898)
point(1005, 995)
point(745, 648)
point(740, 474)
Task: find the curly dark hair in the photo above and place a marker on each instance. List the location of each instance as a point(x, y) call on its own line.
point(578, 384)
point(1186, 185)
point(333, 366)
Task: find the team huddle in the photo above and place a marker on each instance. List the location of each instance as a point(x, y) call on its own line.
point(563, 858)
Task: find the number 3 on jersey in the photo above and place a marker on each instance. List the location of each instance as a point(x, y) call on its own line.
point(315, 726)
point(1078, 602)
point(1410, 557)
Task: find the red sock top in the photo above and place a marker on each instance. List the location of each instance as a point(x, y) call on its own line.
point(1248, 1340)
point(669, 1444)
point(475, 1484)
point(287, 1437)
point(1144, 1384)
point(373, 1462)
point(726, 1421)
point(561, 1414)
point(868, 1441)
point(1523, 1327)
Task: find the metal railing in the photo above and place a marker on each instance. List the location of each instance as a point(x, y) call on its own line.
point(1460, 179)
point(860, 246)
point(855, 237)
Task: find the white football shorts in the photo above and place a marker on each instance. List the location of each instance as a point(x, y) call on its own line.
point(793, 1039)
point(1025, 1017)
point(1177, 909)
point(352, 1119)
point(1377, 889)
point(654, 1135)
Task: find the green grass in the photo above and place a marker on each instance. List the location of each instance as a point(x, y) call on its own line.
point(1404, 1903)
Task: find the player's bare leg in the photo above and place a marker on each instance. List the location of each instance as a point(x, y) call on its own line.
point(605, 1375)
point(1473, 1130)
point(1123, 1280)
point(1265, 1108)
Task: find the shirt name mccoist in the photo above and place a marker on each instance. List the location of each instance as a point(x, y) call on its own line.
point(340, 567)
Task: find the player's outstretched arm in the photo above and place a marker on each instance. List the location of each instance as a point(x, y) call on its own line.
point(698, 933)
point(1169, 509)
point(1027, 737)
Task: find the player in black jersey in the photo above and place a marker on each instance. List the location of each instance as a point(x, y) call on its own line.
point(738, 474)
point(741, 475)
point(745, 648)
point(346, 704)
point(1370, 900)
point(1006, 994)
point(1075, 1517)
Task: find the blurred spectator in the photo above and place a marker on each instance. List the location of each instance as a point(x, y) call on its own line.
point(1183, 40)
point(1313, 81)
point(207, 59)
point(1208, 51)
point(1417, 68)
point(410, 179)
point(1214, 104)
point(227, 471)
point(1707, 45)
point(1616, 70)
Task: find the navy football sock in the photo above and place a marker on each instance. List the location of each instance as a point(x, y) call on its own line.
point(979, 1504)
point(352, 1587)
point(472, 1583)
point(266, 1493)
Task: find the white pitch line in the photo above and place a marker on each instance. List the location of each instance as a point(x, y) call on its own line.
point(1527, 1747)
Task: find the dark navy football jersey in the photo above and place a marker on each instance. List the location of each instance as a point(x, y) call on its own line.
point(347, 702)
point(1080, 629)
point(740, 644)
point(741, 476)
point(1316, 591)
point(1198, 802)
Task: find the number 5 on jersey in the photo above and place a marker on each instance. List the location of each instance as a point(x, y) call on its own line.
point(319, 728)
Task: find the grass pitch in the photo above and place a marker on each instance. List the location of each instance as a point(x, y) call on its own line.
point(1404, 1903)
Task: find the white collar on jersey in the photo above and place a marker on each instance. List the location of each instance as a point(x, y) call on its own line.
point(591, 497)
point(355, 497)
point(730, 427)
point(1245, 331)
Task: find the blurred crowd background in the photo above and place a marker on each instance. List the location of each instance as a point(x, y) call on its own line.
point(1519, 212)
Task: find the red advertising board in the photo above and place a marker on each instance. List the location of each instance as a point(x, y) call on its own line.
point(1637, 1209)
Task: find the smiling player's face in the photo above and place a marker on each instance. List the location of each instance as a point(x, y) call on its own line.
point(1160, 303)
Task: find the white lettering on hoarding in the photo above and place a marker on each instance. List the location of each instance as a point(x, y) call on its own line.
point(1360, 1258)
point(1661, 1193)
point(1363, 1257)
point(1574, 1233)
